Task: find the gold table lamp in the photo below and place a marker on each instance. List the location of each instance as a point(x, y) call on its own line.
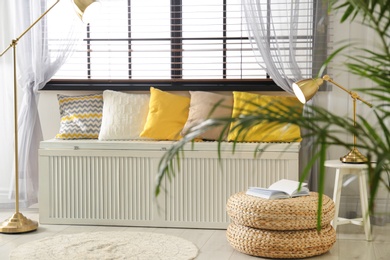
point(307, 88)
point(18, 223)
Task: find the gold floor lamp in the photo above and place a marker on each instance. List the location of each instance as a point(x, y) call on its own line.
point(307, 88)
point(18, 223)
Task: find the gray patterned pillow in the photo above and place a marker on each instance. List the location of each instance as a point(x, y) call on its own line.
point(81, 116)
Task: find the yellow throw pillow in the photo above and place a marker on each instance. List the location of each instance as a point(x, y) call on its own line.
point(167, 115)
point(247, 103)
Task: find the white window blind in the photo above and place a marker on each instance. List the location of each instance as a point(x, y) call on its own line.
point(173, 39)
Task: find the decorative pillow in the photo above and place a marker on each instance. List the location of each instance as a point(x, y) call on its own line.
point(81, 116)
point(246, 103)
point(167, 115)
point(124, 115)
point(206, 105)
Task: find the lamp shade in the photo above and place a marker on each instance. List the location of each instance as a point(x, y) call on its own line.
point(86, 9)
point(305, 89)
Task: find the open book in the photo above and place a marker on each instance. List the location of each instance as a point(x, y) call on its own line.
point(280, 190)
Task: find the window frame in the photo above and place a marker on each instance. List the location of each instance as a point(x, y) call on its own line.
point(176, 83)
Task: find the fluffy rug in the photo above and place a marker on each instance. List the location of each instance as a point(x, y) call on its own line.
point(107, 245)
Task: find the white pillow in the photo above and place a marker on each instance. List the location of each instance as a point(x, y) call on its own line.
point(124, 115)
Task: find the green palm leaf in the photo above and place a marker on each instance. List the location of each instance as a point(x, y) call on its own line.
point(319, 124)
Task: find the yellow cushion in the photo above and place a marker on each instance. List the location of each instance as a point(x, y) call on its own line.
point(167, 115)
point(247, 103)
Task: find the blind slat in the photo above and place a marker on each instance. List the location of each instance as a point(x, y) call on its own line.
point(175, 38)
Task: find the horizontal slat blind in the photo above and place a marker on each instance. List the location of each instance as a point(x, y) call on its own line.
point(174, 39)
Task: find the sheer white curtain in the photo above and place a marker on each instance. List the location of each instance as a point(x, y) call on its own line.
point(288, 37)
point(36, 64)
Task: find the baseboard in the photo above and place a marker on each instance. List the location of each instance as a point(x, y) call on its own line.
point(5, 201)
point(4, 196)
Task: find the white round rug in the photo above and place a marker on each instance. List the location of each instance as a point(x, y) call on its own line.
point(107, 245)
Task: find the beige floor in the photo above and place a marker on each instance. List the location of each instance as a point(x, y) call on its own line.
point(212, 243)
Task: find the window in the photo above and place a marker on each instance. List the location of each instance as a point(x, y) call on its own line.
point(167, 41)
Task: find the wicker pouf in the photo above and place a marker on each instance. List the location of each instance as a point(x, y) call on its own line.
point(283, 228)
point(282, 214)
point(281, 244)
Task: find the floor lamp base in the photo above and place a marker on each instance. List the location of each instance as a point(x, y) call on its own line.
point(18, 224)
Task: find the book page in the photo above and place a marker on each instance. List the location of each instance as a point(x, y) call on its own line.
point(266, 193)
point(287, 186)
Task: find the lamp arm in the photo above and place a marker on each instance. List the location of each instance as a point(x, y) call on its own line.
point(16, 40)
point(9, 47)
point(353, 94)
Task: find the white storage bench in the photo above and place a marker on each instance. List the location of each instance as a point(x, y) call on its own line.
point(95, 182)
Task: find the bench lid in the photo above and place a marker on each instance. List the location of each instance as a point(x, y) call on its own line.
point(153, 145)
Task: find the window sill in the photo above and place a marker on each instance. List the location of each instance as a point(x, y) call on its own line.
point(167, 85)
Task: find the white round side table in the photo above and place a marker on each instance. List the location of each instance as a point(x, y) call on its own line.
point(360, 170)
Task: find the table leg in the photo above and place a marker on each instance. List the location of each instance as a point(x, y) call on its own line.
point(338, 182)
point(364, 204)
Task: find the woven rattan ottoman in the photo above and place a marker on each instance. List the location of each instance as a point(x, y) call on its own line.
point(284, 228)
